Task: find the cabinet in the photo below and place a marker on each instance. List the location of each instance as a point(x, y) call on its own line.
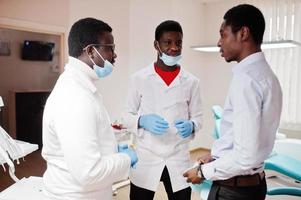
point(26, 114)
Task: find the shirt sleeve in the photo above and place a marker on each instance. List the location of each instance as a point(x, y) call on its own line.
point(77, 127)
point(248, 143)
point(130, 116)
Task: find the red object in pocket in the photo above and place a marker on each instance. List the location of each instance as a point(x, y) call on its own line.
point(117, 126)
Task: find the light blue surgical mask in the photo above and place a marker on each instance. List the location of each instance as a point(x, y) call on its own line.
point(102, 71)
point(169, 60)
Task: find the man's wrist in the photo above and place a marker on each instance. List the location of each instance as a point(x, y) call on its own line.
point(139, 122)
point(200, 172)
point(193, 127)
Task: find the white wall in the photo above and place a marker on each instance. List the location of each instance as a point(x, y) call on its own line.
point(217, 73)
point(50, 12)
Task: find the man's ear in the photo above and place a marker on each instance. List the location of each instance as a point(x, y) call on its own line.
point(90, 51)
point(245, 33)
point(156, 45)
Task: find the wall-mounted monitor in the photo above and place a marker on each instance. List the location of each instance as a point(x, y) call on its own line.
point(37, 50)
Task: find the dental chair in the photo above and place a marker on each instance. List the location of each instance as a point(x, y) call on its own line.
point(204, 188)
point(285, 161)
point(11, 150)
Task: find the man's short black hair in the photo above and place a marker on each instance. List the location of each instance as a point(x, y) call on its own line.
point(84, 32)
point(249, 16)
point(166, 26)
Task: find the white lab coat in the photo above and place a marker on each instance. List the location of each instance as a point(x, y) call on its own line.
point(78, 142)
point(148, 94)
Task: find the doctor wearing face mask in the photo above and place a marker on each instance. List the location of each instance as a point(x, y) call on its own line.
point(164, 111)
point(79, 145)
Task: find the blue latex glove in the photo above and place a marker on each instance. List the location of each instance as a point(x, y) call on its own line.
point(123, 148)
point(153, 123)
point(185, 127)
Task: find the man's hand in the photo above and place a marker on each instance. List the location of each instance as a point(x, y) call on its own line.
point(153, 123)
point(192, 176)
point(205, 159)
point(184, 127)
point(123, 148)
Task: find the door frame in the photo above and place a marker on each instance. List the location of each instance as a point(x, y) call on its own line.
point(20, 25)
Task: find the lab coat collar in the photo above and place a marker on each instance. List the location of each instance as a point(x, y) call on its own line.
point(152, 72)
point(87, 75)
point(242, 65)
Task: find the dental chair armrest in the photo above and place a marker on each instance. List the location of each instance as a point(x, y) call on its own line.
point(293, 191)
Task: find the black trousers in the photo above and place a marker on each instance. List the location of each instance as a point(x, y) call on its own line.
point(138, 193)
point(220, 192)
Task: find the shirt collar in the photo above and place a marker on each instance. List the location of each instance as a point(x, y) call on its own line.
point(242, 65)
point(152, 72)
point(83, 70)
